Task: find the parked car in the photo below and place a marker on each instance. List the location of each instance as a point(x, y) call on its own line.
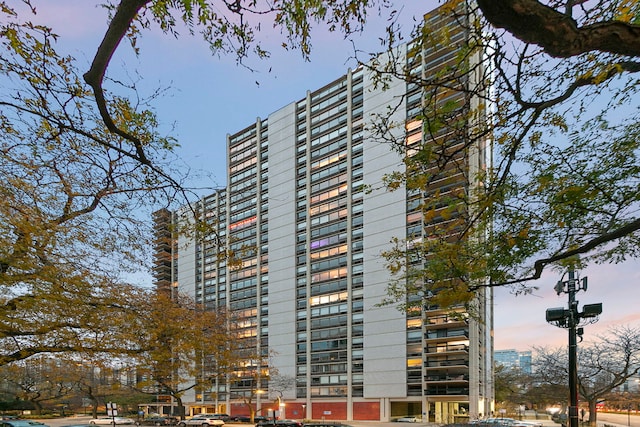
point(112, 420)
point(319, 424)
point(499, 421)
point(204, 420)
point(21, 423)
point(247, 418)
point(280, 423)
point(527, 424)
point(407, 420)
point(159, 421)
point(559, 418)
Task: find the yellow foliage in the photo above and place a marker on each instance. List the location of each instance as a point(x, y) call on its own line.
point(627, 11)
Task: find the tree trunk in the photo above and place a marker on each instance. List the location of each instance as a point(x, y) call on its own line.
point(592, 412)
point(249, 404)
point(252, 414)
point(180, 407)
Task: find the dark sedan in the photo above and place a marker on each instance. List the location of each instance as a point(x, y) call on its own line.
point(247, 418)
point(159, 421)
point(280, 423)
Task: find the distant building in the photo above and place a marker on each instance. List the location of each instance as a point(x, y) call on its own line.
point(631, 385)
point(514, 359)
point(309, 276)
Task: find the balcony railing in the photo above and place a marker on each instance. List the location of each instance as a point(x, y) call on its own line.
point(446, 363)
point(445, 334)
point(448, 348)
point(447, 378)
point(440, 390)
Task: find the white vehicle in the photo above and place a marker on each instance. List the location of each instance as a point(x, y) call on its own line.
point(527, 424)
point(112, 420)
point(204, 420)
point(407, 420)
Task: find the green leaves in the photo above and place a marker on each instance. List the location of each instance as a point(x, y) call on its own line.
point(562, 178)
point(183, 346)
point(74, 203)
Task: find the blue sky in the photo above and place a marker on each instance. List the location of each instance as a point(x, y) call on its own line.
point(211, 96)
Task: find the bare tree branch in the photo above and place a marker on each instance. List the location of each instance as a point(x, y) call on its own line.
point(557, 32)
point(126, 12)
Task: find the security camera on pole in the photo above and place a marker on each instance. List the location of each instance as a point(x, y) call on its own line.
point(571, 318)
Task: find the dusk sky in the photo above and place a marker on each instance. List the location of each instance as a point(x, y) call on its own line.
point(211, 97)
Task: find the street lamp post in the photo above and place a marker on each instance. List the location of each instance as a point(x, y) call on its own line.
point(570, 319)
point(629, 414)
point(573, 350)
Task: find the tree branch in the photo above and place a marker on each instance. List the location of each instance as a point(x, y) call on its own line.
point(540, 264)
point(125, 14)
point(556, 32)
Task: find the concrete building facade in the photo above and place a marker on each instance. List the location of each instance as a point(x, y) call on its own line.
point(303, 273)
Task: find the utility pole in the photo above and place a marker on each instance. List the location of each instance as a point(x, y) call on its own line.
point(573, 350)
point(570, 318)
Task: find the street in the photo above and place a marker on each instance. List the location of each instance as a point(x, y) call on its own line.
point(85, 419)
point(632, 420)
point(616, 420)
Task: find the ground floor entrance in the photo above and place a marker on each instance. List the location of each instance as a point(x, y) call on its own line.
point(443, 412)
point(406, 409)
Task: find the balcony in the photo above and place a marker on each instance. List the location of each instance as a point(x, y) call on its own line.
point(459, 379)
point(448, 363)
point(444, 322)
point(444, 335)
point(448, 349)
point(445, 390)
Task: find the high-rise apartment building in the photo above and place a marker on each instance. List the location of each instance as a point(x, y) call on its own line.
point(307, 276)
